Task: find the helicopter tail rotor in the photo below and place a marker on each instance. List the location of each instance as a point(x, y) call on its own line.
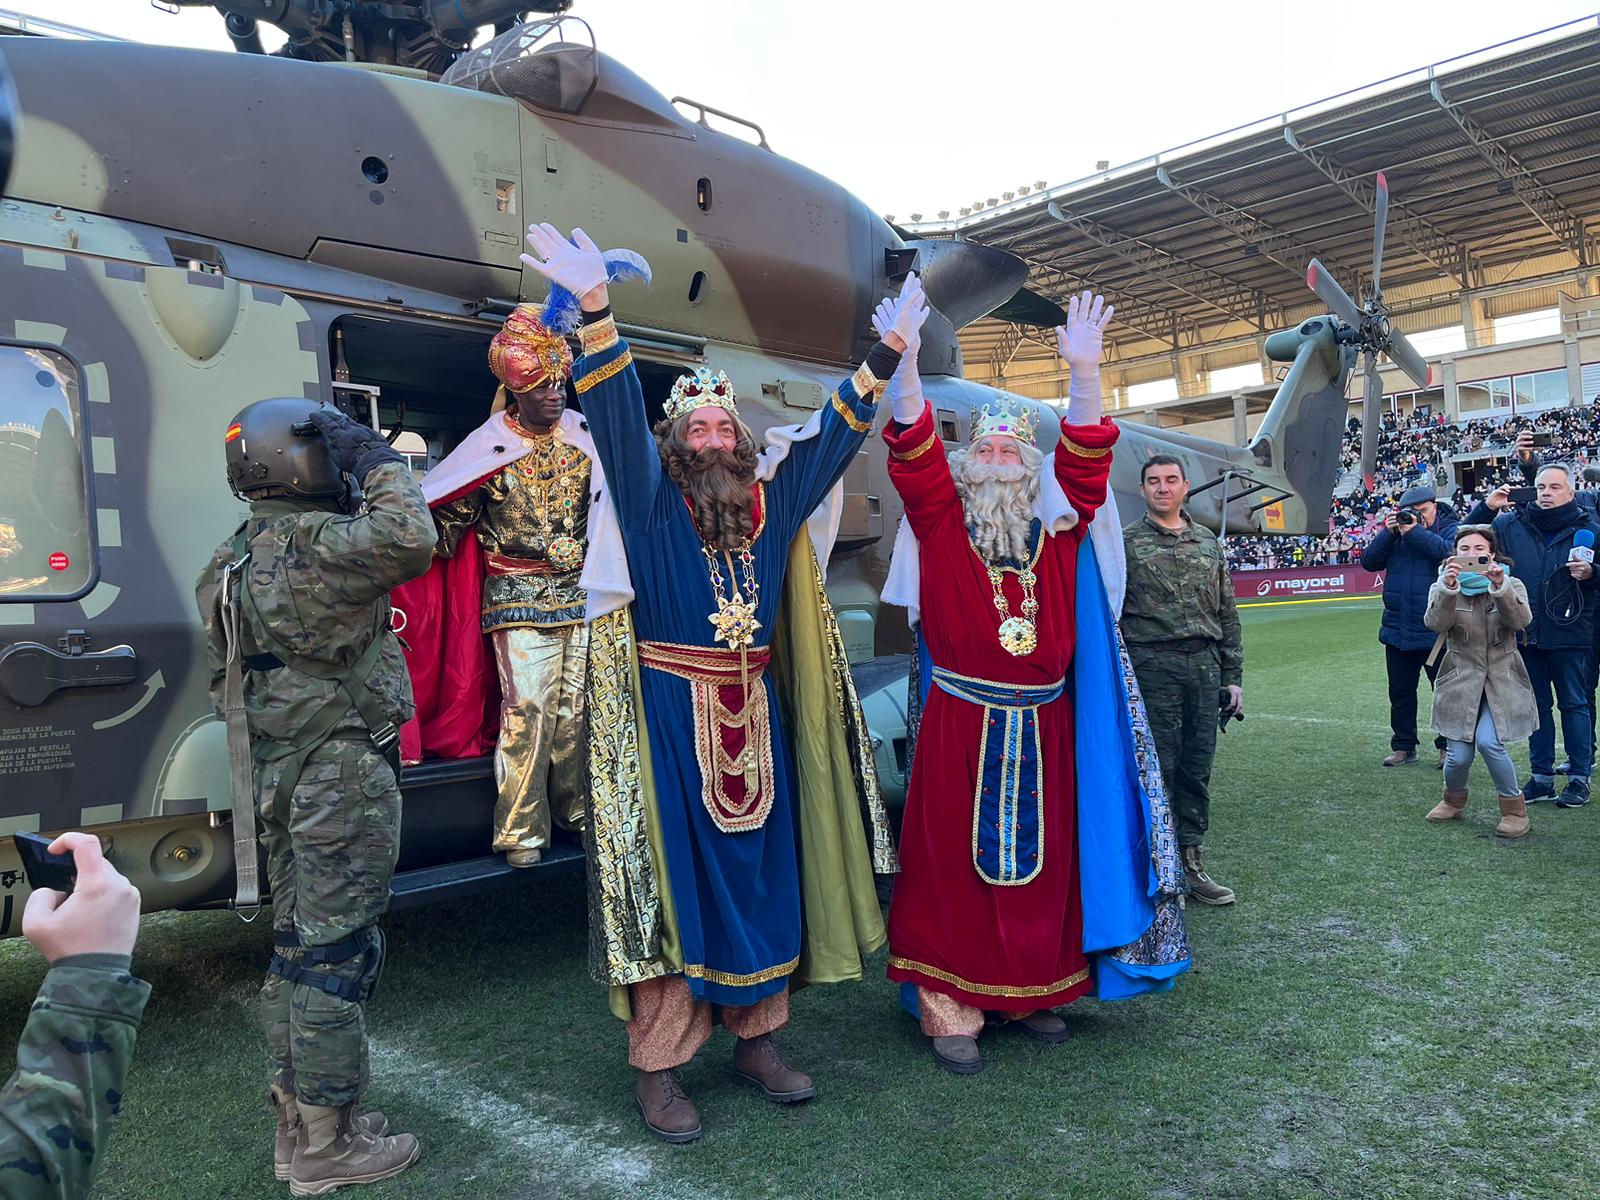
point(1327, 288)
point(1371, 416)
point(1380, 222)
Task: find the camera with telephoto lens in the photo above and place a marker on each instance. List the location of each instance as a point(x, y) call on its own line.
point(1407, 516)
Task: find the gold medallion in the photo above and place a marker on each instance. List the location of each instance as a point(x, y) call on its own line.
point(566, 554)
point(735, 622)
point(1018, 636)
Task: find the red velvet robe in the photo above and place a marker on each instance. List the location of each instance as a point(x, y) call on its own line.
point(1008, 948)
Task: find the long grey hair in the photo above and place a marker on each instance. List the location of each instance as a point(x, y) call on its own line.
point(998, 500)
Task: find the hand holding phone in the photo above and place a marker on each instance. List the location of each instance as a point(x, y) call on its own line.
point(100, 915)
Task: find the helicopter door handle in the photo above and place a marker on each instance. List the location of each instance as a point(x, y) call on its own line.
point(31, 673)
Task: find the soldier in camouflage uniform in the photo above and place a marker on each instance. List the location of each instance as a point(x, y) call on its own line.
point(56, 1111)
point(1182, 630)
point(324, 697)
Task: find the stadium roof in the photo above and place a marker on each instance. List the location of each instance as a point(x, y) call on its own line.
point(1493, 163)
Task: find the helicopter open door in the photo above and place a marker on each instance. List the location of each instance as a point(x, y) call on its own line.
point(118, 381)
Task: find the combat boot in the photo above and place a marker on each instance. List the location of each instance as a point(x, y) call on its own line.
point(332, 1151)
point(1201, 886)
point(288, 1113)
point(665, 1106)
point(757, 1064)
point(1449, 808)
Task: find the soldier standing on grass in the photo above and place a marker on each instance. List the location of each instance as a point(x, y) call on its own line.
point(1182, 630)
point(301, 591)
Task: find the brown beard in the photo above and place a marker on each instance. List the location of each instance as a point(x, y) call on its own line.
point(717, 482)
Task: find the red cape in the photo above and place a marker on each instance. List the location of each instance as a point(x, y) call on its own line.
point(453, 676)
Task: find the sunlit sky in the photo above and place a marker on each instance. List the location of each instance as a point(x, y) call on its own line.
point(935, 105)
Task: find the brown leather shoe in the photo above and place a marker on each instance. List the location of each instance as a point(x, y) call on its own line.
point(1400, 758)
point(665, 1106)
point(1513, 817)
point(1044, 1026)
point(1449, 808)
point(757, 1064)
point(958, 1055)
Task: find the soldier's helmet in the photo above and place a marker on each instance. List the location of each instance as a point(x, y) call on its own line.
point(272, 445)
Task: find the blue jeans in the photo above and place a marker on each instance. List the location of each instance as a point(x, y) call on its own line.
point(1566, 672)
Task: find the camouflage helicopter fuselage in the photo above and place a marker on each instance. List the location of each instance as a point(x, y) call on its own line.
point(188, 231)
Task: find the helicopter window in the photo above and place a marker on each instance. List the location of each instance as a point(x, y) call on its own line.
point(702, 194)
point(695, 286)
point(45, 546)
point(375, 169)
point(947, 425)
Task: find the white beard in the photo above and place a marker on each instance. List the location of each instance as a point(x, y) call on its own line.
point(997, 500)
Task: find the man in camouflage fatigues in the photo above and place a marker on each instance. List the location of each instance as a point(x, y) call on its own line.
point(56, 1111)
point(1182, 631)
point(325, 695)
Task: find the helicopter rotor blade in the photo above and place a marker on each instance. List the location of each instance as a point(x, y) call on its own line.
point(1380, 223)
point(1404, 355)
point(1330, 293)
point(1371, 418)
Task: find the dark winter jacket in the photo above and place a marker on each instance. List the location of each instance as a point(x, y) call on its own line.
point(1538, 557)
point(1411, 562)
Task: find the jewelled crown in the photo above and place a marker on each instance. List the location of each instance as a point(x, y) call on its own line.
point(1005, 422)
point(704, 387)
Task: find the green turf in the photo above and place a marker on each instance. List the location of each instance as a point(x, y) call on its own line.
point(1392, 1009)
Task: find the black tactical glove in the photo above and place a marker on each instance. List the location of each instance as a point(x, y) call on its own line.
point(354, 447)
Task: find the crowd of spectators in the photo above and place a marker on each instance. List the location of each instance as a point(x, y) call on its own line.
point(1412, 450)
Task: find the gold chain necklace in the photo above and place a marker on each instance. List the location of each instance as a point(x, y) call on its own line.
point(735, 619)
point(549, 468)
point(1018, 635)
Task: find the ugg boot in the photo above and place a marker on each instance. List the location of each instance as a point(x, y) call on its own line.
point(757, 1064)
point(1201, 886)
point(1513, 817)
point(288, 1113)
point(665, 1106)
point(1449, 808)
point(332, 1151)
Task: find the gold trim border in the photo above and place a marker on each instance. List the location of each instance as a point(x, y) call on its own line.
point(601, 335)
point(981, 989)
point(600, 374)
point(850, 418)
point(1085, 451)
point(701, 971)
point(910, 455)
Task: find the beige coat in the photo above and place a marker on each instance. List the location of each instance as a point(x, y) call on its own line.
point(1481, 659)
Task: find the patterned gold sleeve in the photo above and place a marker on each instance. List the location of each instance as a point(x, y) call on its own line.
point(601, 335)
point(453, 519)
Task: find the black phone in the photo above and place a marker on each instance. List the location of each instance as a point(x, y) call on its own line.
point(1523, 496)
point(43, 869)
point(1542, 437)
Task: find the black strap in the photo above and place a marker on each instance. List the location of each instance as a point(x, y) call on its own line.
point(334, 985)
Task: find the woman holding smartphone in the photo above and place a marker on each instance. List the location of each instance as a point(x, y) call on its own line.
point(1482, 698)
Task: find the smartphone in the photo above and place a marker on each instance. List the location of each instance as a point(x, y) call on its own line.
point(1542, 437)
point(1468, 562)
point(43, 869)
point(1523, 496)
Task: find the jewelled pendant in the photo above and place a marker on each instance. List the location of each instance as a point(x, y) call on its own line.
point(735, 623)
point(1018, 636)
point(566, 554)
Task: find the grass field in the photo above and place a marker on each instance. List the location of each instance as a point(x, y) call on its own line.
point(1391, 1010)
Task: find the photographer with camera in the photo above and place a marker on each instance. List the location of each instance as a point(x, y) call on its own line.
point(1483, 698)
point(1414, 540)
point(1551, 543)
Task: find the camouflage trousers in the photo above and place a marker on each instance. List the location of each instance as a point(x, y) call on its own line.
point(331, 852)
point(1180, 682)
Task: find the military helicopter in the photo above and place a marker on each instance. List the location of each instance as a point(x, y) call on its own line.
point(186, 231)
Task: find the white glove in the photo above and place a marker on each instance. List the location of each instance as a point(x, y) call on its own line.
point(577, 265)
point(905, 385)
point(1080, 342)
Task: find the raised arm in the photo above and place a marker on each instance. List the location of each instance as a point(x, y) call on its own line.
point(604, 377)
point(1083, 456)
point(920, 472)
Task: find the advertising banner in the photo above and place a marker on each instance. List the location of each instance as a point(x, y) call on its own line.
point(1305, 583)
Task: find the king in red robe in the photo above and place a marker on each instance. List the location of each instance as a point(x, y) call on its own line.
point(988, 911)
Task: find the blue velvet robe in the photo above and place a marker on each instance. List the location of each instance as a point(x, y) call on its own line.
point(737, 895)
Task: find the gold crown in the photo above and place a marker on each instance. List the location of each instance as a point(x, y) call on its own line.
point(705, 387)
point(1006, 423)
